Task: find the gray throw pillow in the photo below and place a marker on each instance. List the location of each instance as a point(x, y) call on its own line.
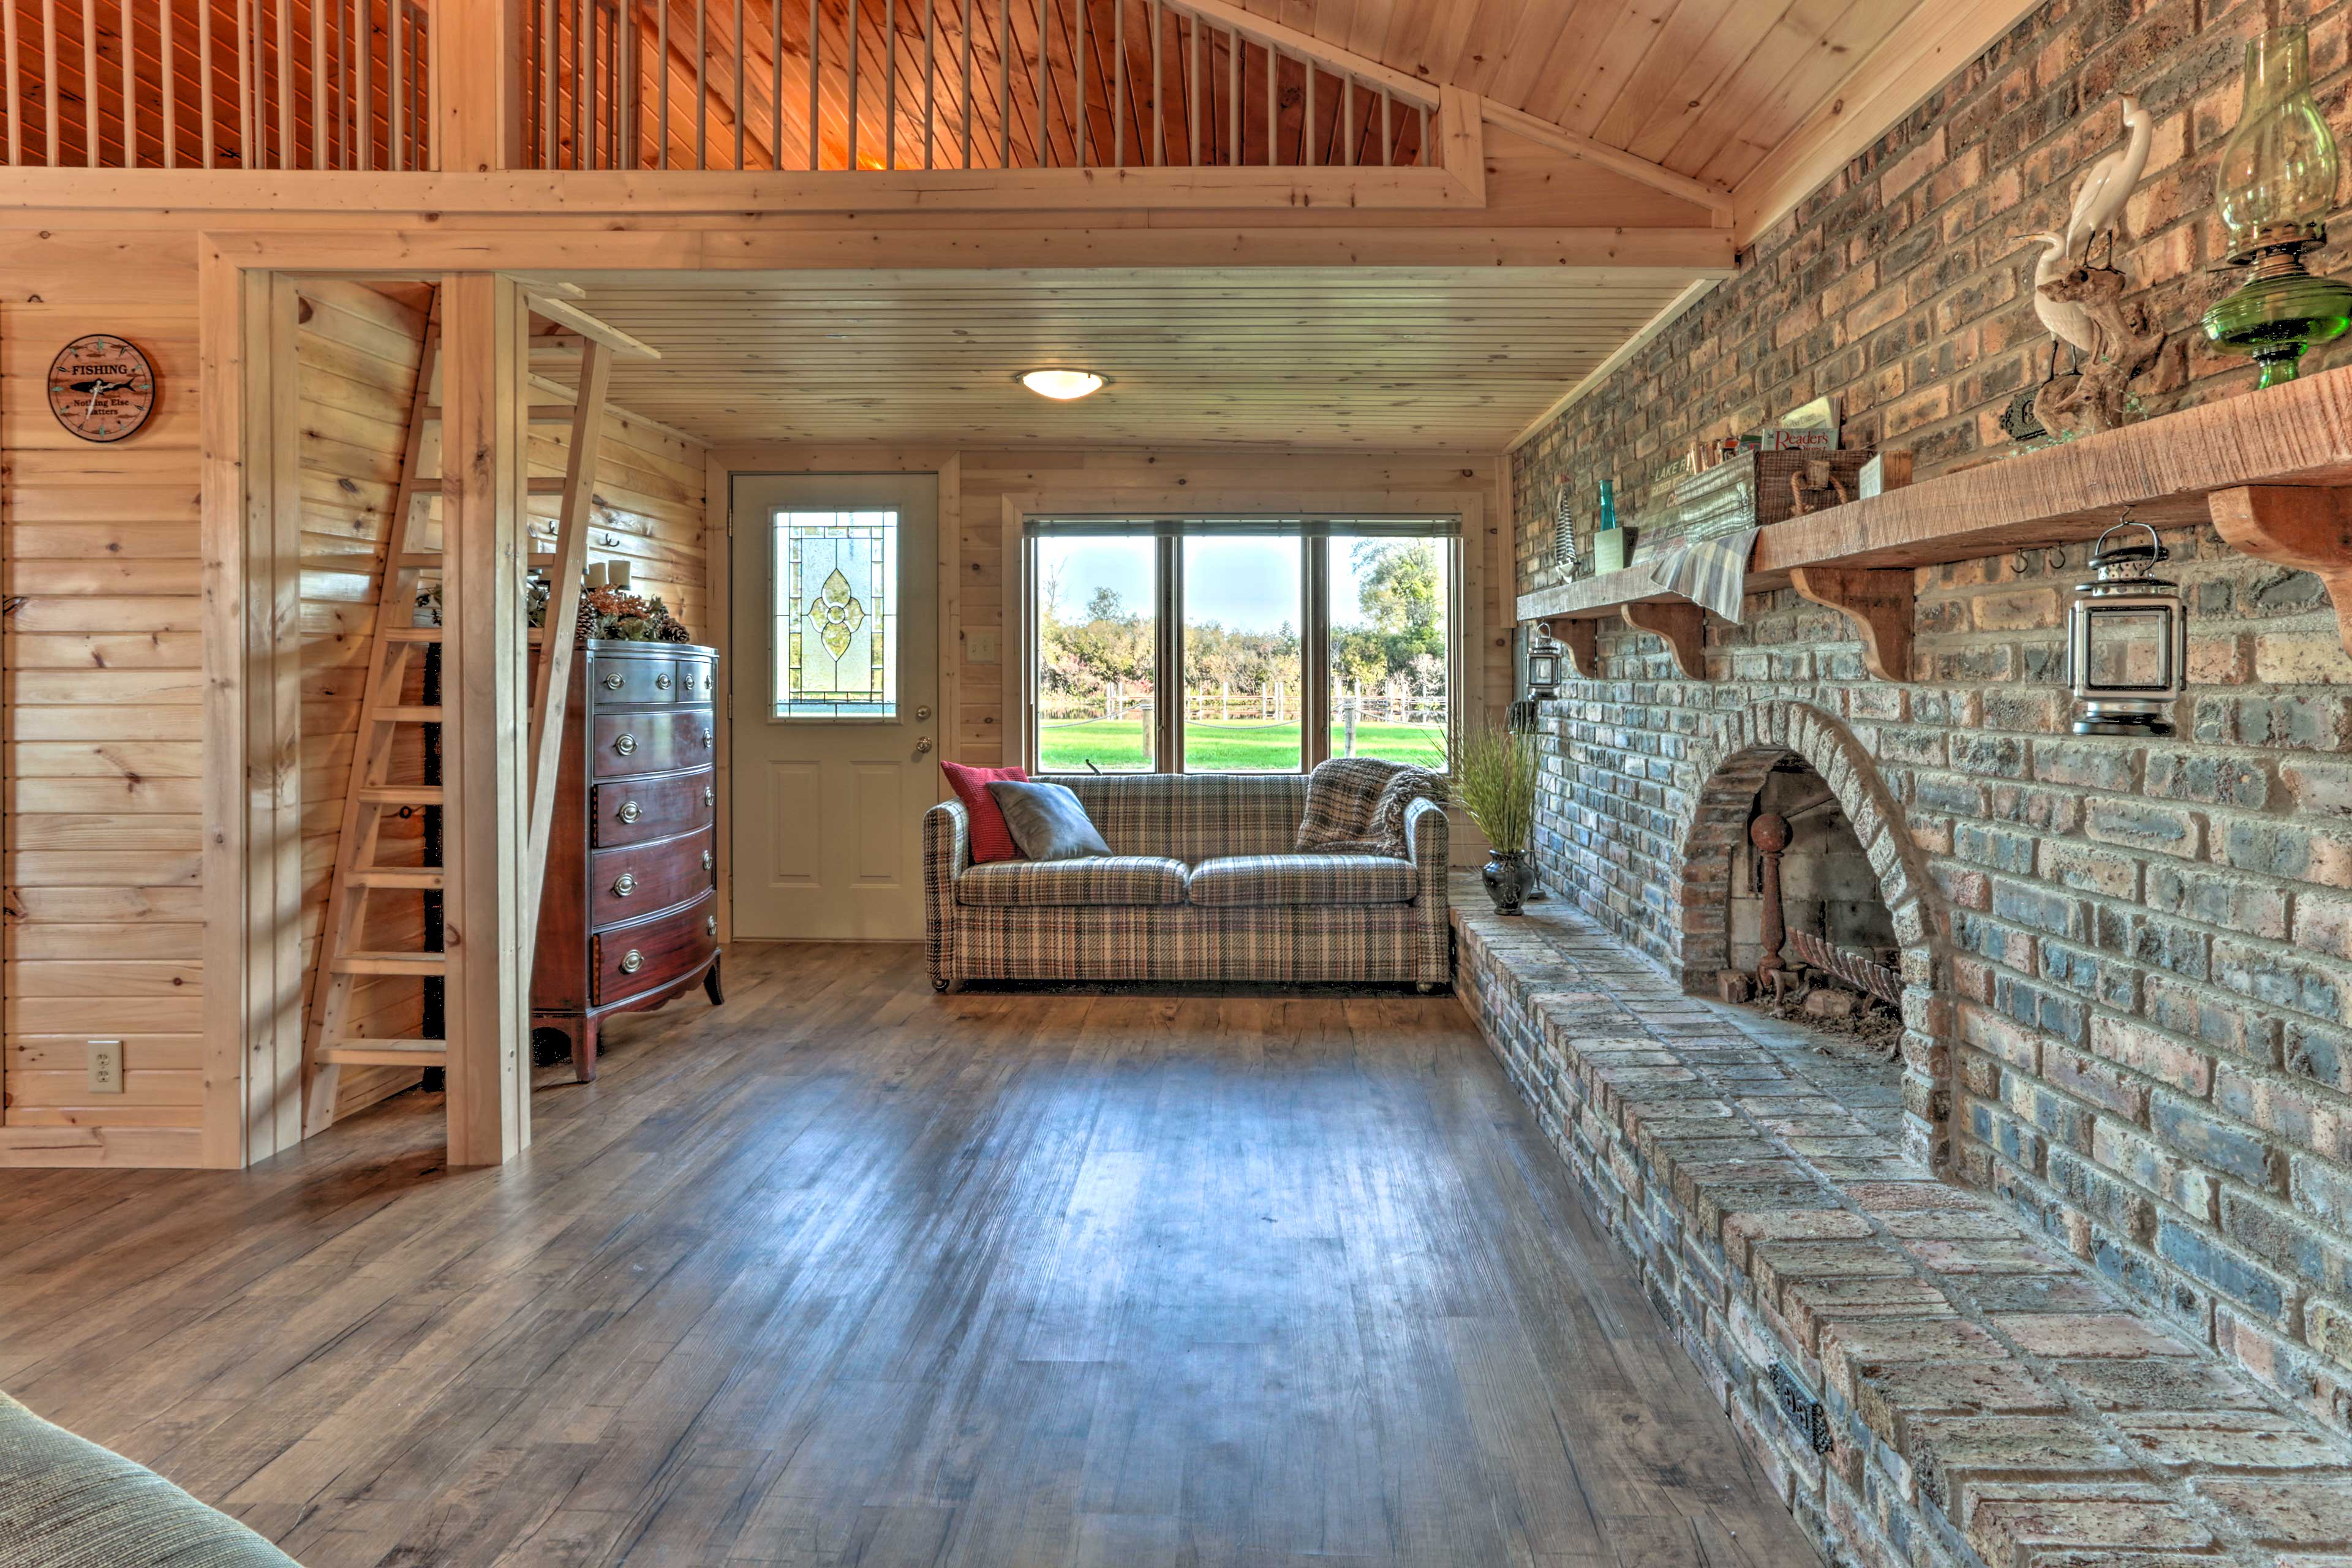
point(1047, 820)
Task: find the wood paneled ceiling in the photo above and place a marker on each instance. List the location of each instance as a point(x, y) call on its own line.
point(1705, 87)
point(1378, 358)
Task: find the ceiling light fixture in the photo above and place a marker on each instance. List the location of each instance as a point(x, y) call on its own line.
point(1062, 384)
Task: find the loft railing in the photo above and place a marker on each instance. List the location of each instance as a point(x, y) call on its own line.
point(217, 84)
point(786, 86)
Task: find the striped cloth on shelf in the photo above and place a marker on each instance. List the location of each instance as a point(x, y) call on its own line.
point(1709, 573)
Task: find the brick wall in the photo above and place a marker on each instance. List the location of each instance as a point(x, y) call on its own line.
point(2132, 968)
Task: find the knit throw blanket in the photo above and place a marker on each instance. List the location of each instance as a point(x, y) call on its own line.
point(1355, 806)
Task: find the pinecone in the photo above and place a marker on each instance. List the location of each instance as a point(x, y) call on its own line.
point(589, 623)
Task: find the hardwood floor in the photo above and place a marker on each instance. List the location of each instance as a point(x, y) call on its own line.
point(846, 1273)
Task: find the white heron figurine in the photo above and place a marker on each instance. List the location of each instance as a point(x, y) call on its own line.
point(2099, 199)
point(2068, 322)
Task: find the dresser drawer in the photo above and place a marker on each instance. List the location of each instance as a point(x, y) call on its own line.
point(625, 882)
point(697, 680)
point(626, 679)
point(632, 811)
point(660, 741)
point(635, 959)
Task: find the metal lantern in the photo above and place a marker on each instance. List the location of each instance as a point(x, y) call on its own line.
point(1543, 664)
point(2126, 640)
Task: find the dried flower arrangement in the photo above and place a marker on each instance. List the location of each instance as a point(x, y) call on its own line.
point(603, 613)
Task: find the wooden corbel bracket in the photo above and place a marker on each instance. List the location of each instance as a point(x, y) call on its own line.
point(1878, 601)
point(1582, 640)
point(1684, 627)
point(2308, 527)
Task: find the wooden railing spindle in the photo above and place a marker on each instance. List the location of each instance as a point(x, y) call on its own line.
point(969, 113)
point(15, 81)
point(1158, 119)
point(1232, 99)
point(1005, 105)
point(1273, 102)
point(661, 77)
point(1388, 155)
point(395, 96)
point(776, 85)
point(1193, 86)
point(286, 126)
point(1042, 152)
point(702, 84)
point(889, 84)
point(930, 86)
point(851, 20)
point(1079, 130)
point(1118, 84)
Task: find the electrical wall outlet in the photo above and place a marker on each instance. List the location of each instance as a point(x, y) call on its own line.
point(106, 1067)
point(980, 647)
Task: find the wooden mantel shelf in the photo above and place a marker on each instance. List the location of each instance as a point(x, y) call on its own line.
point(2234, 462)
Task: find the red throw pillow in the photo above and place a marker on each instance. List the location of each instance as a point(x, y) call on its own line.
point(991, 840)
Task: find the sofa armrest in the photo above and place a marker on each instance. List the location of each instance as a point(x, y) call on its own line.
point(947, 851)
point(1428, 834)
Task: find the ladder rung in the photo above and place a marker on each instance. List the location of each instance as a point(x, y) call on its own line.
point(407, 715)
point(401, 795)
point(422, 558)
point(419, 964)
point(419, 878)
point(540, 413)
point(532, 487)
point(361, 1053)
point(433, 634)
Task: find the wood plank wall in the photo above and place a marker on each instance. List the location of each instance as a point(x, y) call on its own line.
point(104, 748)
point(103, 742)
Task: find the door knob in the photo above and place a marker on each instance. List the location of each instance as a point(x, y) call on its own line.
point(921, 714)
point(922, 744)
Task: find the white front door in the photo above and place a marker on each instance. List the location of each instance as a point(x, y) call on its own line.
point(835, 686)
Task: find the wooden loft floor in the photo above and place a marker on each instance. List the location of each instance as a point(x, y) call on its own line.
point(844, 1273)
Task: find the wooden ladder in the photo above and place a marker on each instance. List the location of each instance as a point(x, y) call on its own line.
point(330, 1042)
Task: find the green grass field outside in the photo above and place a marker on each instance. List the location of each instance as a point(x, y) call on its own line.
point(1116, 745)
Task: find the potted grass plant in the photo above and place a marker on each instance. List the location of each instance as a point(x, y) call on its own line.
point(1493, 772)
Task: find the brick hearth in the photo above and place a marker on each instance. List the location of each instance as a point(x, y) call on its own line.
point(1987, 1398)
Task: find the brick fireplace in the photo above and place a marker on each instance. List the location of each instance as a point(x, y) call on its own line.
point(2126, 1073)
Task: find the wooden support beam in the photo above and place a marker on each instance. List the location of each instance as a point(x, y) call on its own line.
point(1582, 640)
point(1683, 626)
point(2308, 527)
point(1633, 166)
point(1463, 141)
point(484, 678)
point(477, 82)
point(1879, 602)
point(555, 308)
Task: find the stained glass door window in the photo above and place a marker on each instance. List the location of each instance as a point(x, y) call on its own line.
point(836, 599)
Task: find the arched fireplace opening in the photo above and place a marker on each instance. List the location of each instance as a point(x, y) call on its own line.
point(1809, 935)
point(1785, 800)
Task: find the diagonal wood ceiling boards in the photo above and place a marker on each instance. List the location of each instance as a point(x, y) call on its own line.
point(1379, 358)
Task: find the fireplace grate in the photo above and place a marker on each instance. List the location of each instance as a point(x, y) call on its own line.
point(1861, 973)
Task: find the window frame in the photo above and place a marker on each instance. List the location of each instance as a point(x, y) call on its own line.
point(1314, 532)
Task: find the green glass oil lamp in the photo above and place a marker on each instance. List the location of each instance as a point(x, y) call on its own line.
point(2274, 189)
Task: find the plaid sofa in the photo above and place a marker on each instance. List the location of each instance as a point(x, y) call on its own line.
point(1202, 884)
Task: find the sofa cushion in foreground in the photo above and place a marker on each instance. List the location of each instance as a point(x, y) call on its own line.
point(65, 1502)
point(1099, 879)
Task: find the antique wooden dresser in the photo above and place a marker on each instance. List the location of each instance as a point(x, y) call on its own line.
point(630, 915)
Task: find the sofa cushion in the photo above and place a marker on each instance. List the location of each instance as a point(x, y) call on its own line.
point(1098, 880)
point(990, 838)
point(1048, 822)
point(1303, 879)
point(65, 1502)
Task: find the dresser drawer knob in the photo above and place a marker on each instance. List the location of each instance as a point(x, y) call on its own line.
point(709, 860)
point(709, 795)
point(614, 682)
point(625, 745)
point(710, 925)
point(625, 884)
point(661, 682)
point(632, 960)
point(707, 734)
point(706, 683)
point(630, 811)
